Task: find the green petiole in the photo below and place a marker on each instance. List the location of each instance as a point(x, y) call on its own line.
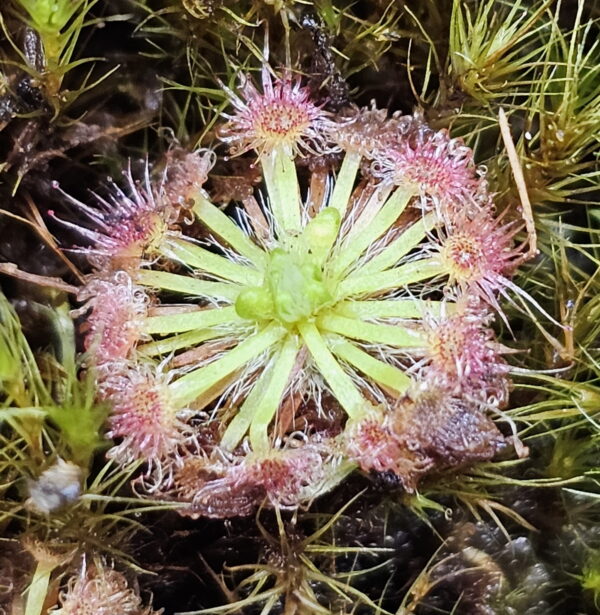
point(197, 257)
point(338, 380)
point(358, 242)
point(270, 400)
point(197, 382)
point(279, 172)
point(409, 273)
point(187, 321)
point(381, 372)
point(391, 335)
point(225, 228)
point(188, 285)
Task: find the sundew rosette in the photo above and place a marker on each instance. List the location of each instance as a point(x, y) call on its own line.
point(332, 318)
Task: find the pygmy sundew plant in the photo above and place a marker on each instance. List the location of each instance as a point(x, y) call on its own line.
point(101, 590)
point(339, 323)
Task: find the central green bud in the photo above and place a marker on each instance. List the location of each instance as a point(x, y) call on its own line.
point(294, 287)
point(292, 291)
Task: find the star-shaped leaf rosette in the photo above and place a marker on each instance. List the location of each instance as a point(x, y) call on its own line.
point(330, 323)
